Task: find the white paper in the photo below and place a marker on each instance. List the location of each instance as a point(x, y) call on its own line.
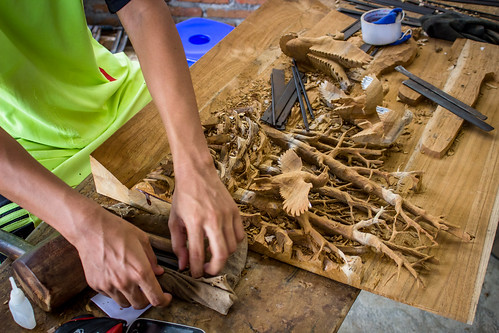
point(114, 310)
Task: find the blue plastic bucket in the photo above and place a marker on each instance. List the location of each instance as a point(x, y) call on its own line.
point(199, 35)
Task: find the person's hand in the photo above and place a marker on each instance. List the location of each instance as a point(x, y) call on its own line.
point(119, 262)
point(202, 207)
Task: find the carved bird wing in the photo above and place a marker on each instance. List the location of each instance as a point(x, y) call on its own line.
point(294, 191)
point(290, 161)
point(263, 184)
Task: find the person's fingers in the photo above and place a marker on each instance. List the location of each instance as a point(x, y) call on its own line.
point(179, 241)
point(238, 227)
point(119, 298)
point(153, 292)
point(136, 297)
point(230, 237)
point(151, 256)
point(196, 250)
point(219, 251)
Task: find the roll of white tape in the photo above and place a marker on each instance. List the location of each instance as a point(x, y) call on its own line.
point(380, 34)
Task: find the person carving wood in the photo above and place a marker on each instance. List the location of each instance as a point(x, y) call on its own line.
point(61, 95)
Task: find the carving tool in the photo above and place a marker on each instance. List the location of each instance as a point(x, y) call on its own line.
point(300, 101)
point(285, 96)
point(445, 100)
point(302, 86)
point(273, 97)
point(350, 30)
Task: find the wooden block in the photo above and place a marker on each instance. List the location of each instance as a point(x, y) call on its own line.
point(474, 65)
point(391, 56)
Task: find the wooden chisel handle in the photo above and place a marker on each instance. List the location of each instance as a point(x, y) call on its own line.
point(161, 243)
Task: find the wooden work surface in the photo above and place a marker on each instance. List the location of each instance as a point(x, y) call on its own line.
point(277, 297)
point(273, 297)
point(462, 186)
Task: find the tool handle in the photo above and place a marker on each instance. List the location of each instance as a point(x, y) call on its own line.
point(160, 243)
point(12, 246)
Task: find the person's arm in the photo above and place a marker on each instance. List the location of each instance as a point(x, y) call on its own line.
point(202, 206)
point(117, 257)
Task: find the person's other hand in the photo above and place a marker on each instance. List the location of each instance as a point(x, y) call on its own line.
point(119, 262)
point(202, 207)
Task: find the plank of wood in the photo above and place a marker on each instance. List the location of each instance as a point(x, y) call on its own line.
point(473, 66)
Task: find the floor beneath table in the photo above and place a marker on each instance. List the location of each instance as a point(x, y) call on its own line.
point(374, 313)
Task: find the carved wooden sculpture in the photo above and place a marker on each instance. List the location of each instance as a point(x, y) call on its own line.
point(320, 205)
point(325, 54)
point(292, 184)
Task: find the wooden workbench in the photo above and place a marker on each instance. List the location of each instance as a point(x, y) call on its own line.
point(273, 297)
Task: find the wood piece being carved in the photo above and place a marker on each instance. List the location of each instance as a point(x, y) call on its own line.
point(325, 54)
point(331, 68)
point(292, 184)
point(391, 56)
point(387, 130)
point(319, 201)
point(359, 107)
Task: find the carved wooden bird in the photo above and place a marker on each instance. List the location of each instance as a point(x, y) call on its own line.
point(292, 184)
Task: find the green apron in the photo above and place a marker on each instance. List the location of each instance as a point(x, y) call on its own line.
point(62, 93)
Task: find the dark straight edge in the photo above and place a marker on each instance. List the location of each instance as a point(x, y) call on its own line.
point(472, 11)
point(302, 86)
point(363, 8)
point(123, 42)
point(374, 51)
point(279, 82)
point(364, 3)
point(96, 32)
point(351, 29)
point(300, 101)
point(272, 98)
point(491, 3)
point(283, 118)
point(117, 40)
point(408, 20)
point(365, 47)
point(281, 107)
point(409, 7)
point(346, 11)
point(441, 93)
point(428, 93)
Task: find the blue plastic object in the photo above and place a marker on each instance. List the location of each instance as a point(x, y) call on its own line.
point(199, 35)
point(390, 17)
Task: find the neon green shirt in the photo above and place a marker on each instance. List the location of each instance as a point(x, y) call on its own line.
point(54, 98)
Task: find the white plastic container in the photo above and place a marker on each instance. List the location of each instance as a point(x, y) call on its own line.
point(380, 34)
point(20, 307)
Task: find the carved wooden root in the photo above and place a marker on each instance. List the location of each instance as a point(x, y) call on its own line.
point(352, 232)
point(315, 157)
point(288, 245)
